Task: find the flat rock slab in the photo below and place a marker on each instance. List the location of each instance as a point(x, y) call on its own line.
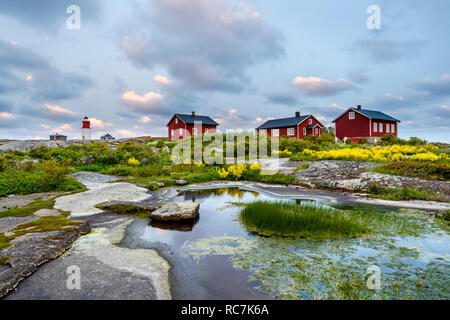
point(180, 182)
point(93, 179)
point(47, 213)
point(84, 203)
point(176, 211)
point(128, 207)
point(22, 200)
point(9, 223)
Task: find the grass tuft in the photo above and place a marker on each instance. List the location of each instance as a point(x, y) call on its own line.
point(300, 220)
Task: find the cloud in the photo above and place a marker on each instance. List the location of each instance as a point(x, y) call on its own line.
point(49, 15)
point(358, 76)
point(44, 126)
point(437, 87)
point(282, 98)
point(145, 120)
point(205, 45)
point(100, 124)
point(314, 86)
point(161, 80)
point(379, 50)
point(123, 133)
point(54, 112)
point(65, 128)
point(47, 83)
point(150, 102)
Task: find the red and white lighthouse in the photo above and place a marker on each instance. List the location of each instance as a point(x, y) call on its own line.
point(86, 129)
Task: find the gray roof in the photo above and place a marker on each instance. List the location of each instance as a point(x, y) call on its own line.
point(377, 115)
point(311, 126)
point(280, 123)
point(57, 135)
point(190, 119)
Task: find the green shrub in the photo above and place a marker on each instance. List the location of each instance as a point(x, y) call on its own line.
point(417, 169)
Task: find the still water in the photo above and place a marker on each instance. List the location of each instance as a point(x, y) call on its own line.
point(231, 263)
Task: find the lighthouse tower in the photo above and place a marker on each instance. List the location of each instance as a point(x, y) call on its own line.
point(86, 129)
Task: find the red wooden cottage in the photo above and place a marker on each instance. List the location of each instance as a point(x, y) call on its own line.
point(182, 125)
point(294, 127)
point(357, 124)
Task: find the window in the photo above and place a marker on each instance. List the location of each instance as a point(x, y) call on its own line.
point(351, 115)
point(194, 131)
point(275, 132)
point(381, 127)
point(206, 130)
point(181, 131)
point(317, 130)
point(290, 131)
point(304, 131)
point(172, 132)
point(393, 128)
point(387, 128)
point(375, 127)
point(176, 120)
point(310, 121)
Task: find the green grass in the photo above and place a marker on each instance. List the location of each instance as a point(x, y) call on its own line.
point(300, 220)
point(416, 169)
point(19, 182)
point(28, 209)
point(377, 191)
point(312, 221)
point(44, 224)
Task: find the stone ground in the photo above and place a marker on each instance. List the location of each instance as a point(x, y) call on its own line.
point(108, 270)
point(117, 264)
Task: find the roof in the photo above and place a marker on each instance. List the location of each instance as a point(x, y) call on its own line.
point(107, 136)
point(372, 114)
point(312, 126)
point(190, 119)
point(57, 135)
point(284, 122)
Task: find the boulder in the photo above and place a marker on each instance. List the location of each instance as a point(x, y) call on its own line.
point(160, 184)
point(180, 182)
point(129, 207)
point(176, 211)
point(47, 213)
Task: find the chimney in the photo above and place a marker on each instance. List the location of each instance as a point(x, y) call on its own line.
point(359, 107)
point(193, 113)
point(297, 114)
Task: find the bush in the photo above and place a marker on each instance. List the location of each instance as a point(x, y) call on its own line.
point(415, 169)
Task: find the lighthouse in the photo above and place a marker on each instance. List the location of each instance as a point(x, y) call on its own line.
point(86, 129)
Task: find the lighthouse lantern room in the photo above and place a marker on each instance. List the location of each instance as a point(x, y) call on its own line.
point(86, 129)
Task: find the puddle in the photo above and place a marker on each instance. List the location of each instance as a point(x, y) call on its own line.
point(231, 263)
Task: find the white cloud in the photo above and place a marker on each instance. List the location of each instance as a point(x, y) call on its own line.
point(149, 102)
point(97, 123)
point(145, 120)
point(45, 126)
point(161, 80)
point(57, 111)
point(7, 115)
point(126, 133)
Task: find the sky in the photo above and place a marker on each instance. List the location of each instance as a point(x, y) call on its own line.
point(132, 64)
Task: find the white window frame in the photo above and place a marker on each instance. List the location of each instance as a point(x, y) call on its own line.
point(388, 128)
point(172, 132)
point(304, 131)
point(380, 127)
point(206, 130)
point(392, 128)
point(310, 121)
point(181, 131)
point(176, 120)
point(375, 127)
point(351, 115)
point(290, 131)
point(275, 132)
point(317, 131)
point(194, 131)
